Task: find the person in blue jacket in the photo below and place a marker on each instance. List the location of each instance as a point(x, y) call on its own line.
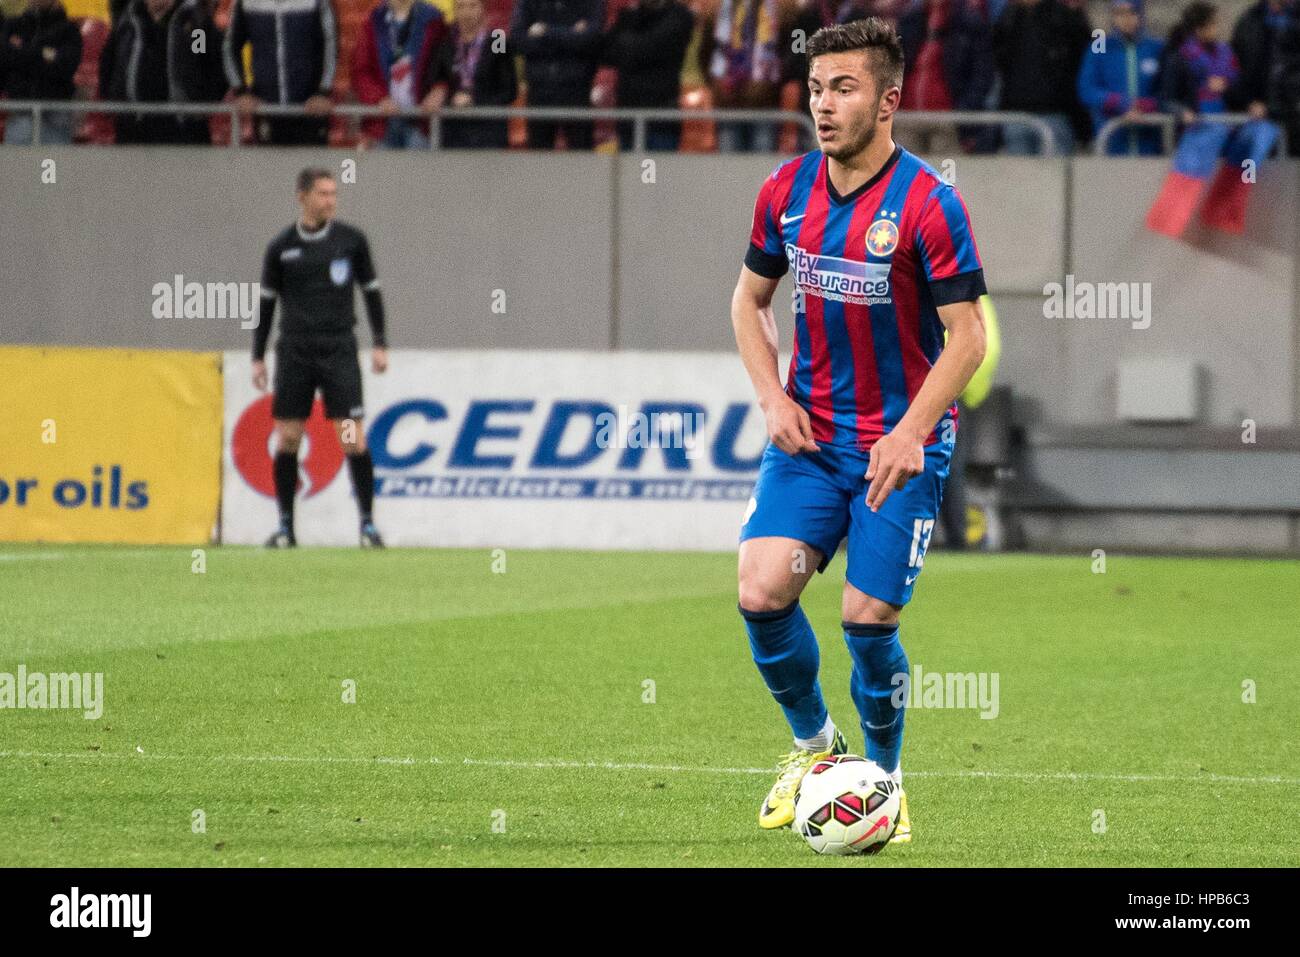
point(1120, 74)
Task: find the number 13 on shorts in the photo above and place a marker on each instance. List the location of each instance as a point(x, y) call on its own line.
point(922, 528)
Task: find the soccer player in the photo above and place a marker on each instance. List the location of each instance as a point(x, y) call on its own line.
point(883, 260)
point(311, 268)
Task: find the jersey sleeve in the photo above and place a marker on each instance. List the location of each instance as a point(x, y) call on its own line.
point(272, 274)
point(765, 255)
point(271, 277)
point(364, 266)
point(947, 250)
point(364, 269)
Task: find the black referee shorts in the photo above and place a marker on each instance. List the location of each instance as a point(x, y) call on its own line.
point(304, 365)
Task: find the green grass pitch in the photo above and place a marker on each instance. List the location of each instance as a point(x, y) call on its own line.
point(501, 717)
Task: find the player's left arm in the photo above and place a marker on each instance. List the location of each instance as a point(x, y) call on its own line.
point(956, 279)
point(900, 456)
point(364, 267)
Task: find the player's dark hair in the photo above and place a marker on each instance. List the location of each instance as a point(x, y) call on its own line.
point(307, 178)
point(873, 36)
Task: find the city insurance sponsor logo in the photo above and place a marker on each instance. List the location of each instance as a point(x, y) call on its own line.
point(74, 909)
point(843, 280)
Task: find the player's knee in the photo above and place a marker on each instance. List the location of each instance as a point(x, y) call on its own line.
point(288, 436)
point(762, 594)
point(864, 610)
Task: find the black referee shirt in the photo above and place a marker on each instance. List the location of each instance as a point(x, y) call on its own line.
point(313, 275)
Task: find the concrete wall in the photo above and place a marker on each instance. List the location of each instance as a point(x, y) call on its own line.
point(81, 256)
point(597, 251)
point(1229, 302)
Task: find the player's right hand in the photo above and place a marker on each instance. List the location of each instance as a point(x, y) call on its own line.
point(789, 427)
point(259, 375)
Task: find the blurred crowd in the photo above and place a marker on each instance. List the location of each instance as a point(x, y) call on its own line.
point(410, 58)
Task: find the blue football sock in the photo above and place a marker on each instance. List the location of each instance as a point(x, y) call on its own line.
point(879, 686)
point(785, 650)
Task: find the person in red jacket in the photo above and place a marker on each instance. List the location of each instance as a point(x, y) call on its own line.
point(396, 63)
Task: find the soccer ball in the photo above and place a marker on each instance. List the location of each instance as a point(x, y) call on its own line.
point(847, 805)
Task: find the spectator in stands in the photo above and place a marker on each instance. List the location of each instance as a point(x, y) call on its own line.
point(560, 41)
point(150, 57)
point(295, 52)
point(40, 51)
point(1201, 71)
point(1267, 44)
point(1038, 45)
point(888, 10)
point(1120, 76)
point(395, 65)
point(695, 68)
point(805, 19)
point(746, 70)
point(647, 45)
point(479, 68)
point(993, 9)
point(948, 50)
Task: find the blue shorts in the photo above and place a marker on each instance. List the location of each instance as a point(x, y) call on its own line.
point(819, 497)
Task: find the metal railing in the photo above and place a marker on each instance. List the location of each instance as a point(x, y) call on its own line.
point(1168, 124)
point(638, 117)
point(947, 118)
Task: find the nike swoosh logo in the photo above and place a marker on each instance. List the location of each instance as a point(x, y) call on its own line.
point(908, 581)
point(787, 220)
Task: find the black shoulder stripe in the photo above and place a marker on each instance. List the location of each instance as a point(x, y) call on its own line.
point(964, 287)
point(764, 263)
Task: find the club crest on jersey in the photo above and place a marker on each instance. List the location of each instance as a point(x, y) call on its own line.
point(340, 269)
point(882, 237)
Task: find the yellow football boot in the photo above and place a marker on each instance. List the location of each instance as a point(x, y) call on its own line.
point(902, 833)
point(778, 808)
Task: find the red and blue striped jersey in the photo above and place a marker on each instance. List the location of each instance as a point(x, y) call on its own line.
point(870, 270)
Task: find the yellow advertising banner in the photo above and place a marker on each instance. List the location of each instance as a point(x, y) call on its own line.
point(109, 445)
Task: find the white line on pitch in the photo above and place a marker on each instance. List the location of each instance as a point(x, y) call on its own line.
point(627, 766)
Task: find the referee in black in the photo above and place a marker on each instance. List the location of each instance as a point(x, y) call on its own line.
point(311, 269)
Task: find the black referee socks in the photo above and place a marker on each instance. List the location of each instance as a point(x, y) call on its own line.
point(362, 468)
point(286, 485)
point(360, 465)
